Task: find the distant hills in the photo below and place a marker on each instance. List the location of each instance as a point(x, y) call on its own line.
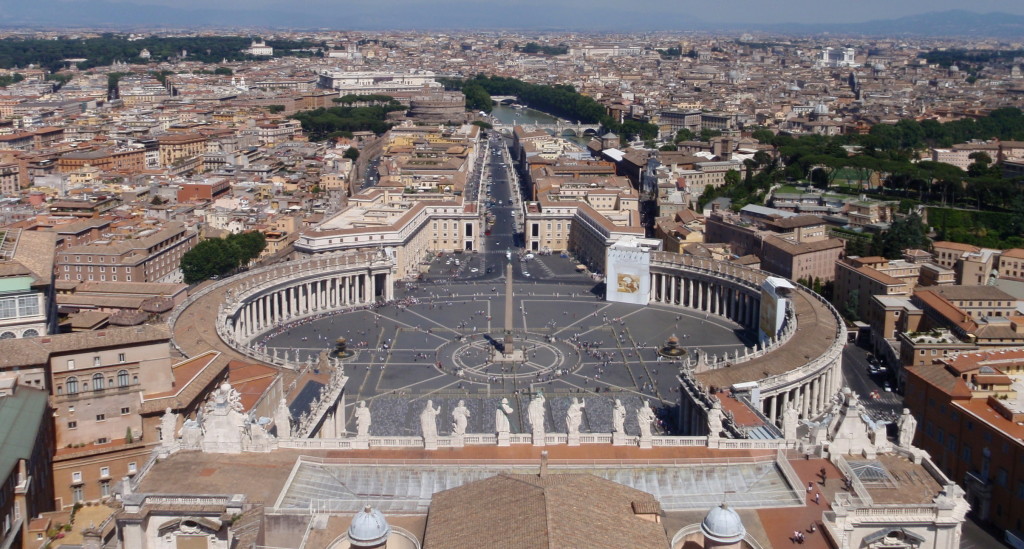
point(476, 15)
point(943, 23)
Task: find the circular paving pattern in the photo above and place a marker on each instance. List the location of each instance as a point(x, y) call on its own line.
point(477, 358)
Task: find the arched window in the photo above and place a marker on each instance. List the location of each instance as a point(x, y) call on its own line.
point(122, 378)
point(97, 382)
point(72, 385)
point(7, 335)
point(29, 333)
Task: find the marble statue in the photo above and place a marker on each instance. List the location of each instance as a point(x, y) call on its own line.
point(907, 426)
point(283, 419)
point(224, 421)
point(715, 420)
point(790, 420)
point(535, 413)
point(191, 433)
point(619, 418)
point(501, 424)
point(362, 415)
point(644, 416)
point(574, 416)
point(461, 418)
point(168, 422)
point(428, 421)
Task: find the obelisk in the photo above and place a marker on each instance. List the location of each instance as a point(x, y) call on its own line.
point(507, 346)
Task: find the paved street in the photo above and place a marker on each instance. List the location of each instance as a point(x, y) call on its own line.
point(880, 404)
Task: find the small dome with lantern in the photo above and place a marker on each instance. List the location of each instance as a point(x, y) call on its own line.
point(723, 524)
point(369, 529)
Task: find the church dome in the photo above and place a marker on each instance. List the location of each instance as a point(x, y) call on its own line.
point(723, 525)
point(369, 528)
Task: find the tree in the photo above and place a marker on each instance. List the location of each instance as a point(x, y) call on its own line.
point(351, 153)
point(851, 308)
point(477, 98)
point(980, 166)
point(274, 109)
point(763, 135)
point(707, 133)
point(732, 177)
point(208, 258)
point(221, 256)
point(684, 135)
point(224, 71)
point(905, 233)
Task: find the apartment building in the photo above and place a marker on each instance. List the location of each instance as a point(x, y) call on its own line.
point(177, 148)
point(973, 265)
point(126, 160)
point(84, 208)
point(970, 414)
point(10, 179)
point(149, 253)
point(1011, 264)
point(26, 449)
point(801, 260)
point(789, 245)
point(203, 190)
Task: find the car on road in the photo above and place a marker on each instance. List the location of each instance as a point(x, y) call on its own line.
point(474, 270)
point(529, 256)
point(887, 387)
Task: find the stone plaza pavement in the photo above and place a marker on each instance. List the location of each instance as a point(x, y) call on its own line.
point(433, 344)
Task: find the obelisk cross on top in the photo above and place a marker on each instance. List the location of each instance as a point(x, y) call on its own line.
point(507, 346)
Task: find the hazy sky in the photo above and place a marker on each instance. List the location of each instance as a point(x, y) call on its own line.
point(606, 15)
point(752, 11)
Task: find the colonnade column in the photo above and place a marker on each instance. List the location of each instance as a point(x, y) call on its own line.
point(805, 402)
point(814, 396)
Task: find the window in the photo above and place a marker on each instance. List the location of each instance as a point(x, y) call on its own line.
point(76, 494)
point(72, 425)
point(101, 417)
point(71, 384)
point(125, 411)
point(132, 468)
point(97, 382)
point(76, 476)
point(122, 378)
point(96, 362)
point(105, 488)
point(104, 471)
point(71, 364)
point(102, 440)
point(8, 308)
point(120, 357)
point(28, 305)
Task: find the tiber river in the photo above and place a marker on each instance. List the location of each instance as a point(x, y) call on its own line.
point(509, 116)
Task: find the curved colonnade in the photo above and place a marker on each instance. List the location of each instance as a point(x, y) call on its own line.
point(801, 367)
